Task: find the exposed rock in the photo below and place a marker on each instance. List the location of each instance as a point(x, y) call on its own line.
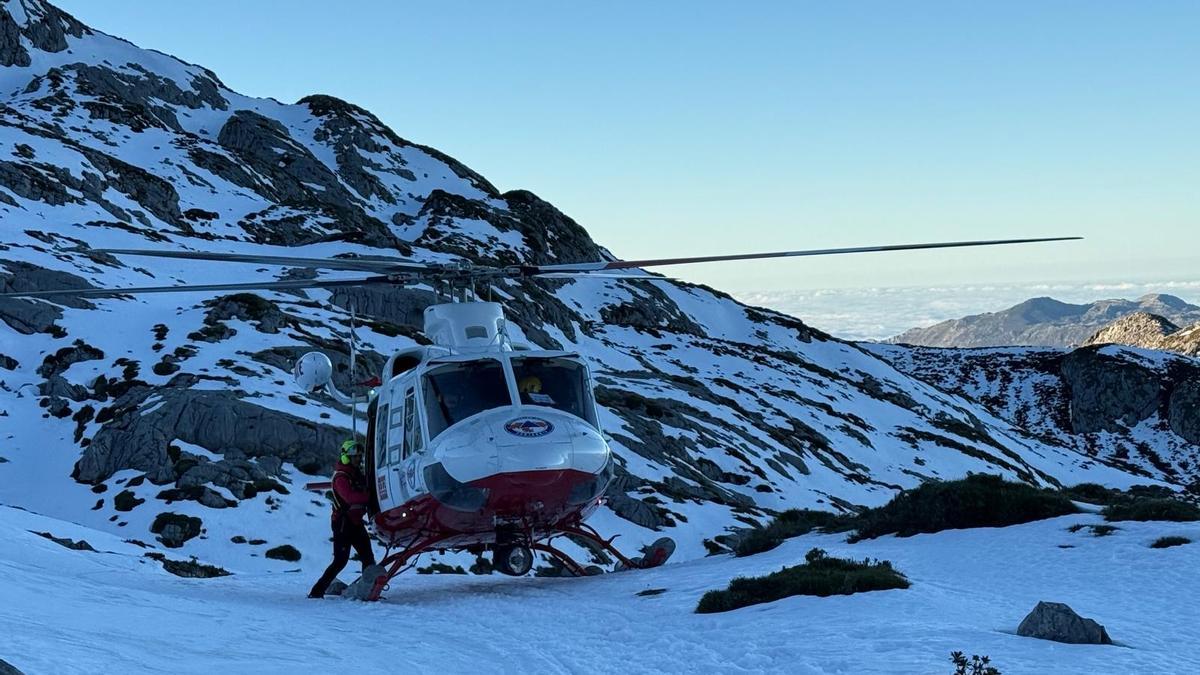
point(36, 316)
point(285, 552)
point(1139, 329)
point(174, 529)
point(80, 545)
point(46, 27)
point(1108, 394)
point(59, 361)
point(214, 420)
point(1058, 622)
point(1184, 410)
point(7, 668)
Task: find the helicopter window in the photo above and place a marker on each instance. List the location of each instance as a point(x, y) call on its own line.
point(456, 391)
point(396, 433)
point(412, 428)
point(381, 424)
point(476, 332)
point(555, 383)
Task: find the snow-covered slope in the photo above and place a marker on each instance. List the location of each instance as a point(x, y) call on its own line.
point(114, 411)
point(114, 610)
point(1136, 408)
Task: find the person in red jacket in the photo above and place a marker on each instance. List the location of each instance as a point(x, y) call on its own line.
point(350, 499)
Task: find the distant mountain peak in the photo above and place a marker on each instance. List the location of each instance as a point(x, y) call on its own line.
point(1048, 322)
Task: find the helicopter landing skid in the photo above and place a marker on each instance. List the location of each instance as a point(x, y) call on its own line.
point(394, 563)
point(655, 555)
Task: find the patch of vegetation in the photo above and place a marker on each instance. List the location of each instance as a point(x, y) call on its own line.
point(1168, 542)
point(978, 665)
point(191, 569)
point(441, 568)
point(285, 552)
point(1152, 509)
point(126, 501)
point(1097, 530)
point(979, 500)
point(820, 575)
point(790, 523)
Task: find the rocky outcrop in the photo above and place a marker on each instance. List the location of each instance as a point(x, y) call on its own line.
point(1058, 622)
point(1090, 398)
point(7, 668)
point(45, 26)
point(1139, 329)
point(1108, 394)
point(36, 316)
point(1149, 331)
point(1184, 410)
point(146, 420)
point(1045, 322)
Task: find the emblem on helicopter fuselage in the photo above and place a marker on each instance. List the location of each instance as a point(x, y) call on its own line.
point(529, 427)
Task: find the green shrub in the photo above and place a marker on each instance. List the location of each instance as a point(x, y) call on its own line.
point(790, 523)
point(975, 501)
point(1152, 509)
point(1168, 542)
point(820, 575)
point(978, 665)
point(1092, 493)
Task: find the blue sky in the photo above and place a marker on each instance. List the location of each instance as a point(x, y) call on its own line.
point(708, 127)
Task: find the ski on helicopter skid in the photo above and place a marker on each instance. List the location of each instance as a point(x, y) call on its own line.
point(474, 442)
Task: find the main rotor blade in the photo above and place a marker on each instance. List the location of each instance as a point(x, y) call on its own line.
point(626, 264)
point(599, 275)
point(187, 288)
point(351, 264)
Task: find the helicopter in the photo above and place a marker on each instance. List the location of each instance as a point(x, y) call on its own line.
point(476, 441)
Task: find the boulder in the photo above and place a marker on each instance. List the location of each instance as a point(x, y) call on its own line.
point(1058, 622)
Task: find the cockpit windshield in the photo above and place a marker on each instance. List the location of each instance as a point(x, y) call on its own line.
point(456, 391)
point(555, 382)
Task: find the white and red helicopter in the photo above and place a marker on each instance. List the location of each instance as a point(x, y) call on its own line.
point(476, 441)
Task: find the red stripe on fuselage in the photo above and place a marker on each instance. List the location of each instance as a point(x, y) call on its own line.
point(533, 501)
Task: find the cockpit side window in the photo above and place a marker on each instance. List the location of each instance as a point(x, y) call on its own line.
point(555, 382)
point(456, 391)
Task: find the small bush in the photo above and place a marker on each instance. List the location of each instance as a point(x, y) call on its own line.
point(286, 552)
point(975, 501)
point(978, 665)
point(1092, 493)
point(1168, 542)
point(1152, 509)
point(790, 523)
point(1103, 530)
point(820, 575)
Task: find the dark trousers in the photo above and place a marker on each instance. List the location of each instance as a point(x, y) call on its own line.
point(347, 533)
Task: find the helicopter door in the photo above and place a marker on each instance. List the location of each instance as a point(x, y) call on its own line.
point(393, 450)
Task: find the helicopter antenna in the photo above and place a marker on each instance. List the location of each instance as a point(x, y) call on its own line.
point(353, 361)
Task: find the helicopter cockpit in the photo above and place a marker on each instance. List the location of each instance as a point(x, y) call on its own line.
point(457, 390)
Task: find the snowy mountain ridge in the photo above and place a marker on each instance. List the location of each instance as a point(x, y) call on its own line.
point(116, 411)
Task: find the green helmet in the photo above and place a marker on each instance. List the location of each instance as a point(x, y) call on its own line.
point(348, 448)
